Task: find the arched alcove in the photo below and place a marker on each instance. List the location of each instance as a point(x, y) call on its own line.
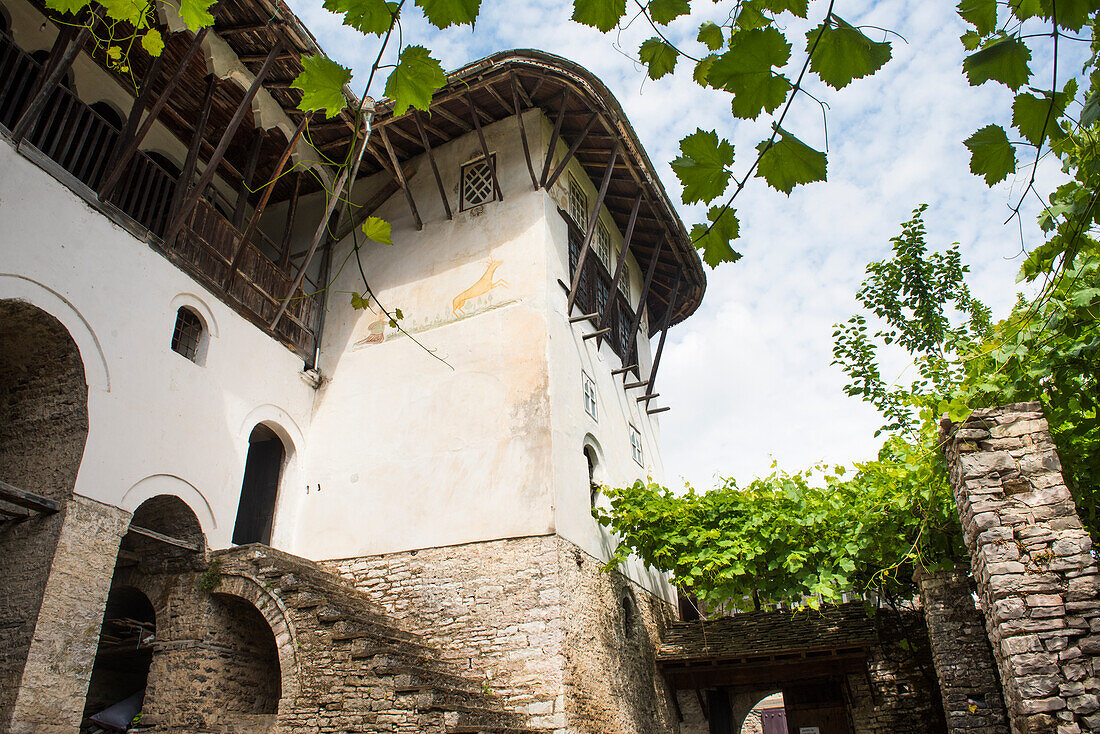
point(260, 486)
point(249, 677)
point(43, 429)
point(172, 519)
point(121, 669)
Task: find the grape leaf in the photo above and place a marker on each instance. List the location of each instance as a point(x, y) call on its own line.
point(152, 42)
point(1090, 113)
point(1024, 9)
point(789, 163)
point(715, 243)
point(1029, 113)
point(844, 53)
point(196, 13)
point(366, 16)
point(378, 230)
point(1072, 14)
point(414, 81)
point(659, 58)
point(322, 83)
point(703, 166)
point(702, 69)
point(751, 16)
point(666, 11)
point(746, 71)
point(602, 14)
point(446, 13)
point(1003, 61)
point(134, 12)
point(710, 35)
point(67, 6)
point(991, 155)
point(982, 14)
point(797, 7)
point(970, 40)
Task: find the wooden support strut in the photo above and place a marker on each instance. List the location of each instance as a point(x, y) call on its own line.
point(246, 236)
point(573, 150)
point(288, 227)
point(522, 131)
point(223, 144)
point(664, 333)
point(58, 69)
point(183, 185)
point(240, 206)
point(595, 334)
point(431, 160)
point(29, 500)
point(136, 110)
point(400, 175)
point(554, 138)
point(592, 220)
point(115, 174)
point(623, 251)
point(485, 149)
point(632, 334)
point(168, 539)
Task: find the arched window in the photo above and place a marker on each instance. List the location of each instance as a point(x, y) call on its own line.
point(256, 510)
point(628, 616)
point(593, 485)
point(187, 336)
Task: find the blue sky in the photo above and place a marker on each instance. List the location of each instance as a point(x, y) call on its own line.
point(748, 376)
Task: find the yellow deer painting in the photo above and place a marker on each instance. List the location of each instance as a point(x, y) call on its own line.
point(484, 284)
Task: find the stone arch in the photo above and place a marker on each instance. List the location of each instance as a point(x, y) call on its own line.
point(279, 421)
point(594, 460)
point(748, 708)
point(20, 288)
point(169, 484)
point(273, 610)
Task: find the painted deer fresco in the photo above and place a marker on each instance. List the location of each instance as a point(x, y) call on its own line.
point(484, 284)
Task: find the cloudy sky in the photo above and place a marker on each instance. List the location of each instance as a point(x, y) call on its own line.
point(748, 376)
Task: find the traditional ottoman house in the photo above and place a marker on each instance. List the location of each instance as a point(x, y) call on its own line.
point(233, 502)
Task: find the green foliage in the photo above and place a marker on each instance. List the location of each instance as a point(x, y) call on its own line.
point(664, 12)
point(446, 13)
point(196, 13)
point(152, 42)
point(366, 16)
point(802, 538)
point(982, 14)
point(710, 35)
point(415, 80)
point(601, 14)
point(1004, 60)
point(378, 230)
point(703, 166)
point(322, 83)
point(659, 57)
point(789, 162)
point(714, 239)
point(746, 70)
point(843, 53)
point(991, 155)
point(211, 578)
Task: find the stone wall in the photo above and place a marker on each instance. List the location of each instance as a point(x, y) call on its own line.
point(1032, 561)
point(540, 621)
point(43, 427)
point(967, 673)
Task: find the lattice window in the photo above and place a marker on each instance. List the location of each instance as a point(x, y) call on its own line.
point(636, 446)
point(578, 204)
point(624, 281)
point(589, 395)
point(626, 346)
point(187, 336)
point(603, 245)
point(477, 183)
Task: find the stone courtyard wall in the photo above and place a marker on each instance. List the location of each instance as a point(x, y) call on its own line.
point(540, 621)
point(1032, 561)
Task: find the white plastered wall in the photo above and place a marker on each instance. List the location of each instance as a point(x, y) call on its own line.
point(158, 423)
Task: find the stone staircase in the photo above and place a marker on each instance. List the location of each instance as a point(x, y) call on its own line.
point(359, 670)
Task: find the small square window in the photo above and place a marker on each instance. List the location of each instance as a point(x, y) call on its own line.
point(589, 395)
point(578, 204)
point(477, 183)
point(636, 446)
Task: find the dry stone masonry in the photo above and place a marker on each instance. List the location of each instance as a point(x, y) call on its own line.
point(1031, 559)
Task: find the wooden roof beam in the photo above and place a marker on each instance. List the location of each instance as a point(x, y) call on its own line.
point(523, 132)
point(554, 137)
point(637, 322)
point(257, 58)
point(231, 30)
point(400, 174)
point(661, 344)
point(572, 151)
point(622, 253)
point(454, 119)
point(593, 218)
point(435, 169)
point(500, 100)
point(485, 148)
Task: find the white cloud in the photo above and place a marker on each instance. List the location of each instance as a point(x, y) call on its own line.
point(748, 377)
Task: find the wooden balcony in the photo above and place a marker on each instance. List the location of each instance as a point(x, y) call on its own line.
point(82, 140)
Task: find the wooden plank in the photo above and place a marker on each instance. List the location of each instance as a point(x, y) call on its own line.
point(435, 169)
point(245, 187)
point(523, 132)
point(257, 58)
point(573, 149)
point(593, 218)
point(401, 178)
point(131, 147)
point(288, 227)
point(161, 537)
point(485, 148)
point(189, 163)
point(554, 137)
point(23, 498)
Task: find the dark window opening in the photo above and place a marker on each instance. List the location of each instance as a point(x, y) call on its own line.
point(593, 486)
point(120, 672)
point(187, 335)
point(628, 616)
point(260, 487)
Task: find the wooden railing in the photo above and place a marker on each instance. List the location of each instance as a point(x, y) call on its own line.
point(80, 140)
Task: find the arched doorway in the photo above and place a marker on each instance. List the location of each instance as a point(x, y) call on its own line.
point(43, 429)
point(260, 487)
point(249, 675)
point(121, 669)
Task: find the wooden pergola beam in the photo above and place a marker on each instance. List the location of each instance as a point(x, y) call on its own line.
point(573, 149)
point(485, 148)
point(400, 174)
point(593, 219)
point(435, 169)
point(109, 183)
point(223, 145)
